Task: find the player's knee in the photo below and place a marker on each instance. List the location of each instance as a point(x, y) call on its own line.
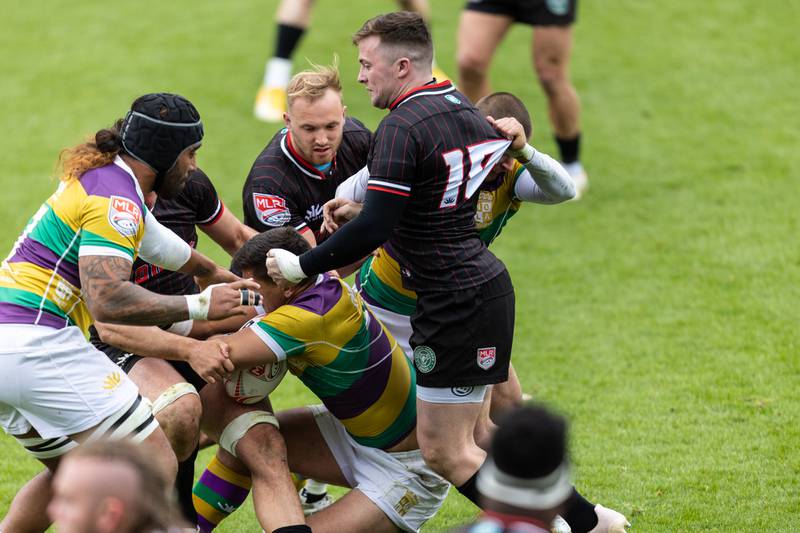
point(472, 65)
point(161, 449)
point(440, 455)
point(263, 450)
point(178, 411)
point(552, 77)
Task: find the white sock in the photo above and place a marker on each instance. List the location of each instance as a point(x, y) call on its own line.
point(277, 73)
point(573, 168)
point(315, 487)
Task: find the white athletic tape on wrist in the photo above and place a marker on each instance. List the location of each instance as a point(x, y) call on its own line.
point(535, 493)
point(199, 303)
point(524, 154)
point(289, 265)
point(171, 394)
point(182, 328)
point(47, 448)
point(240, 425)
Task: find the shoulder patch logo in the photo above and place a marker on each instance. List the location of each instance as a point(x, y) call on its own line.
point(487, 357)
point(424, 358)
point(124, 215)
point(452, 98)
point(271, 210)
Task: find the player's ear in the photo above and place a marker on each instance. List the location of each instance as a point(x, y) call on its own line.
point(286, 119)
point(403, 67)
point(344, 110)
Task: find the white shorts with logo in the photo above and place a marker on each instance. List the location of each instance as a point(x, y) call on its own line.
point(56, 382)
point(399, 483)
point(398, 325)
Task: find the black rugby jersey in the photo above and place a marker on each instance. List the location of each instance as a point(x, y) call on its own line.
point(197, 203)
point(436, 149)
point(283, 189)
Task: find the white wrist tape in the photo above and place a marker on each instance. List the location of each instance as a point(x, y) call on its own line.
point(182, 328)
point(524, 154)
point(289, 265)
point(199, 303)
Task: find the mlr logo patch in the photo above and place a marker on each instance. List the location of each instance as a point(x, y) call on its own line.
point(124, 215)
point(271, 209)
point(487, 357)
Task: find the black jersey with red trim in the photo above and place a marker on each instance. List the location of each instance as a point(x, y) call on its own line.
point(436, 149)
point(283, 189)
point(197, 204)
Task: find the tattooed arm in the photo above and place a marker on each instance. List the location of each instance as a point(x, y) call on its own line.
point(111, 297)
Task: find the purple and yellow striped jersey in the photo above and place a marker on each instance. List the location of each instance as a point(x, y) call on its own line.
point(379, 279)
point(340, 351)
point(102, 213)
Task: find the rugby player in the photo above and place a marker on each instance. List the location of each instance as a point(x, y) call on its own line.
point(300, 168)
point(111, 486)
point(364, 435)
point(72, 265)
point(509, 184)
point(483, 25)
point(431, 154)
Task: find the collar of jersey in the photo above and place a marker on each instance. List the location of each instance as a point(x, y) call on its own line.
point(124, 166)
point(305, 167)
point(429, 88)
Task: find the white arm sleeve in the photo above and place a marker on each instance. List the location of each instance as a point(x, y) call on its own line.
point(544, 181)
point(355, 187)
point(161, 247)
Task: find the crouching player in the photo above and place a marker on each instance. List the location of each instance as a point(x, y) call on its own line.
point(364, 434)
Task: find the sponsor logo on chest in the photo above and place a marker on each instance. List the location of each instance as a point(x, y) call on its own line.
point(124, 215)
point(271, 210)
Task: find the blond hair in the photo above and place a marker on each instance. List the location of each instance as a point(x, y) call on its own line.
point(94, 153)
point(313, 83)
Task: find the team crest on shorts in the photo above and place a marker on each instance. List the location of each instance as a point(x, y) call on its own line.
point(487, 357)
point(271, 209)
point(558, 7)
point(424, 358)
point(124, 215)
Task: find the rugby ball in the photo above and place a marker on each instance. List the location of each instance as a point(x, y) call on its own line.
point(252, 385)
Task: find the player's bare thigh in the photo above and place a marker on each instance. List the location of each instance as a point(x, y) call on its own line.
point(308, 452)
point(479, 34)
point(353, 512)
point(294, 12)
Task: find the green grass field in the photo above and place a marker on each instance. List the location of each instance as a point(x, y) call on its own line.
point(659, 313)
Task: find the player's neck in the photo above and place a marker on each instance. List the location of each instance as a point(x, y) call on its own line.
point(413, 82)
point(145, 175)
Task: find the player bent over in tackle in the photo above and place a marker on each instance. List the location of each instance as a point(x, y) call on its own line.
point(364, 434)
point(72, 265)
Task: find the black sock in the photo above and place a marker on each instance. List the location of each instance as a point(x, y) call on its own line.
point(470, 489)
point(287, 39)
point(579, 513)
point(184, 482)
point(569, 148)
point(299, 528)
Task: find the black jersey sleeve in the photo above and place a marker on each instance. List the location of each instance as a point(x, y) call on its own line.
point(204, 198)
point(359, 237)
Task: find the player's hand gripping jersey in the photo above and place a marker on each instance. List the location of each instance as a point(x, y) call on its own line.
point(340, 351)
point(102, 213)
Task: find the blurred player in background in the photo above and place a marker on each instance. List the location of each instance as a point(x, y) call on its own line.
point(292, 20)
point(111, 487)
point(483, 25)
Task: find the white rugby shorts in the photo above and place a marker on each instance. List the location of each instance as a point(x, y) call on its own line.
point(55, 381)
point(399, 483)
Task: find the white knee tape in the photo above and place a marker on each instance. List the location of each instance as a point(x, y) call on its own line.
point(135, 422)
point(47, 448)
point(234, 431)
point(171, 394)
